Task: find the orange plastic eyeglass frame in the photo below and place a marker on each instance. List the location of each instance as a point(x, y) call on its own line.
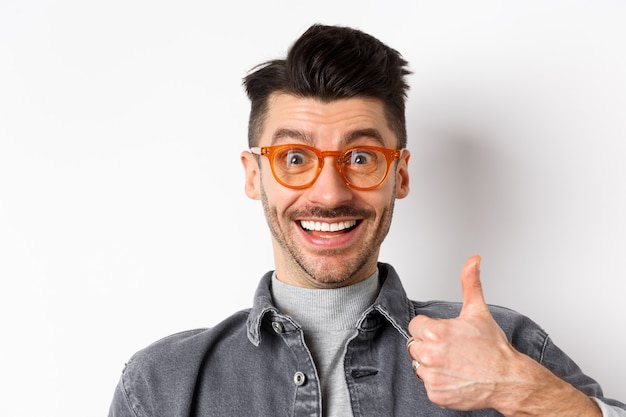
point(269, 152)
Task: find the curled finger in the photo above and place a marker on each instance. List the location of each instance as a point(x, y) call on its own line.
point(409, 343)
point(416, 365)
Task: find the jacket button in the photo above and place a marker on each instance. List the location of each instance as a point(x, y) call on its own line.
point(299, 378)
point(278, 327)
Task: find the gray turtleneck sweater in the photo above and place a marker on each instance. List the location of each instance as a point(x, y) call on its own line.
point(328, 318)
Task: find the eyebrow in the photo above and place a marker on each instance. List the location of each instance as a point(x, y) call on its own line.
point(347, 139)
point(364, 133)
point(292, 134)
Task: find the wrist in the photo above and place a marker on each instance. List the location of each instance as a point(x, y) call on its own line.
point(530, 389)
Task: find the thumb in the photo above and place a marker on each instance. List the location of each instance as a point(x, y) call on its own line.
point(473, 298)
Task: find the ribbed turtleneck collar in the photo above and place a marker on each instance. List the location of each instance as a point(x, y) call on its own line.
point(325, 309)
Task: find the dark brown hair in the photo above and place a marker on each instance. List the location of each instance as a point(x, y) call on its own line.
point(331, 63)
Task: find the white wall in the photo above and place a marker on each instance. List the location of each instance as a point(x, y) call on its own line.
point(122, 212)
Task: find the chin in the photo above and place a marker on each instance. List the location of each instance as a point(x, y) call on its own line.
point(335, 274)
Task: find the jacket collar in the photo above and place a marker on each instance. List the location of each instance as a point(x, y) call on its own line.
point(392, 304)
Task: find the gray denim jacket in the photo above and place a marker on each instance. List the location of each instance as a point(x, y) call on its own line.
point(256, 363)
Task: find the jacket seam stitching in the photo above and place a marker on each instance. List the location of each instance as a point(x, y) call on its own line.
point(543, 349)
point(127, 397)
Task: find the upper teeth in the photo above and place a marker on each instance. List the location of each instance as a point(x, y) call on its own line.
point(326, 227)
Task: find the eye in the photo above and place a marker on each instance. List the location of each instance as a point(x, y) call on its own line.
point(291, 158)
point(294, 157)
point(360, 157)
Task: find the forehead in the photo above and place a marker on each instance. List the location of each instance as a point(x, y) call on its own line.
point(328, 123)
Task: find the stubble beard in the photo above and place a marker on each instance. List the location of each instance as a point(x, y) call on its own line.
point(328, 267)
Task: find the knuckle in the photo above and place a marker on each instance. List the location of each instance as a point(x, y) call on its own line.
point(417, 322)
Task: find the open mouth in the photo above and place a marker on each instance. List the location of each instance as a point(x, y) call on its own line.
point(341, 227)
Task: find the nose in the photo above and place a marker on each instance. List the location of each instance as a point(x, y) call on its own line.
point(329, 189)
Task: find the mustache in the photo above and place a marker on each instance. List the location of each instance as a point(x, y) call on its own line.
point(325, 212)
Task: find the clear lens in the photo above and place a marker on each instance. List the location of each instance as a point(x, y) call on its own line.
point(296, 166)
point(364, 167)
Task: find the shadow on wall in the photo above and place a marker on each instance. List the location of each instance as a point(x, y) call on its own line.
point(463, 201)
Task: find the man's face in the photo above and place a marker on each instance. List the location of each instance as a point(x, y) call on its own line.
point(303, 255)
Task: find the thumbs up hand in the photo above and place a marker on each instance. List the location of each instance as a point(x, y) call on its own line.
point(467, 363)
point(462, 361)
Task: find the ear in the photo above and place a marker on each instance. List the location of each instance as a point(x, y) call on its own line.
point(253, 176)
point(402, 175)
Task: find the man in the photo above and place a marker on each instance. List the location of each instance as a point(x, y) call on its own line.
point(331, 331)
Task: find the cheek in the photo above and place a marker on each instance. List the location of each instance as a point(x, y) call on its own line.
point(275, 195)
point(385, 192)
point(384, 201)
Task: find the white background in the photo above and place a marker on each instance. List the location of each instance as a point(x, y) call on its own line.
point(122, 212)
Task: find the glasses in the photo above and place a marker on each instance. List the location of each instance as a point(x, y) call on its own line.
point(298, 166)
